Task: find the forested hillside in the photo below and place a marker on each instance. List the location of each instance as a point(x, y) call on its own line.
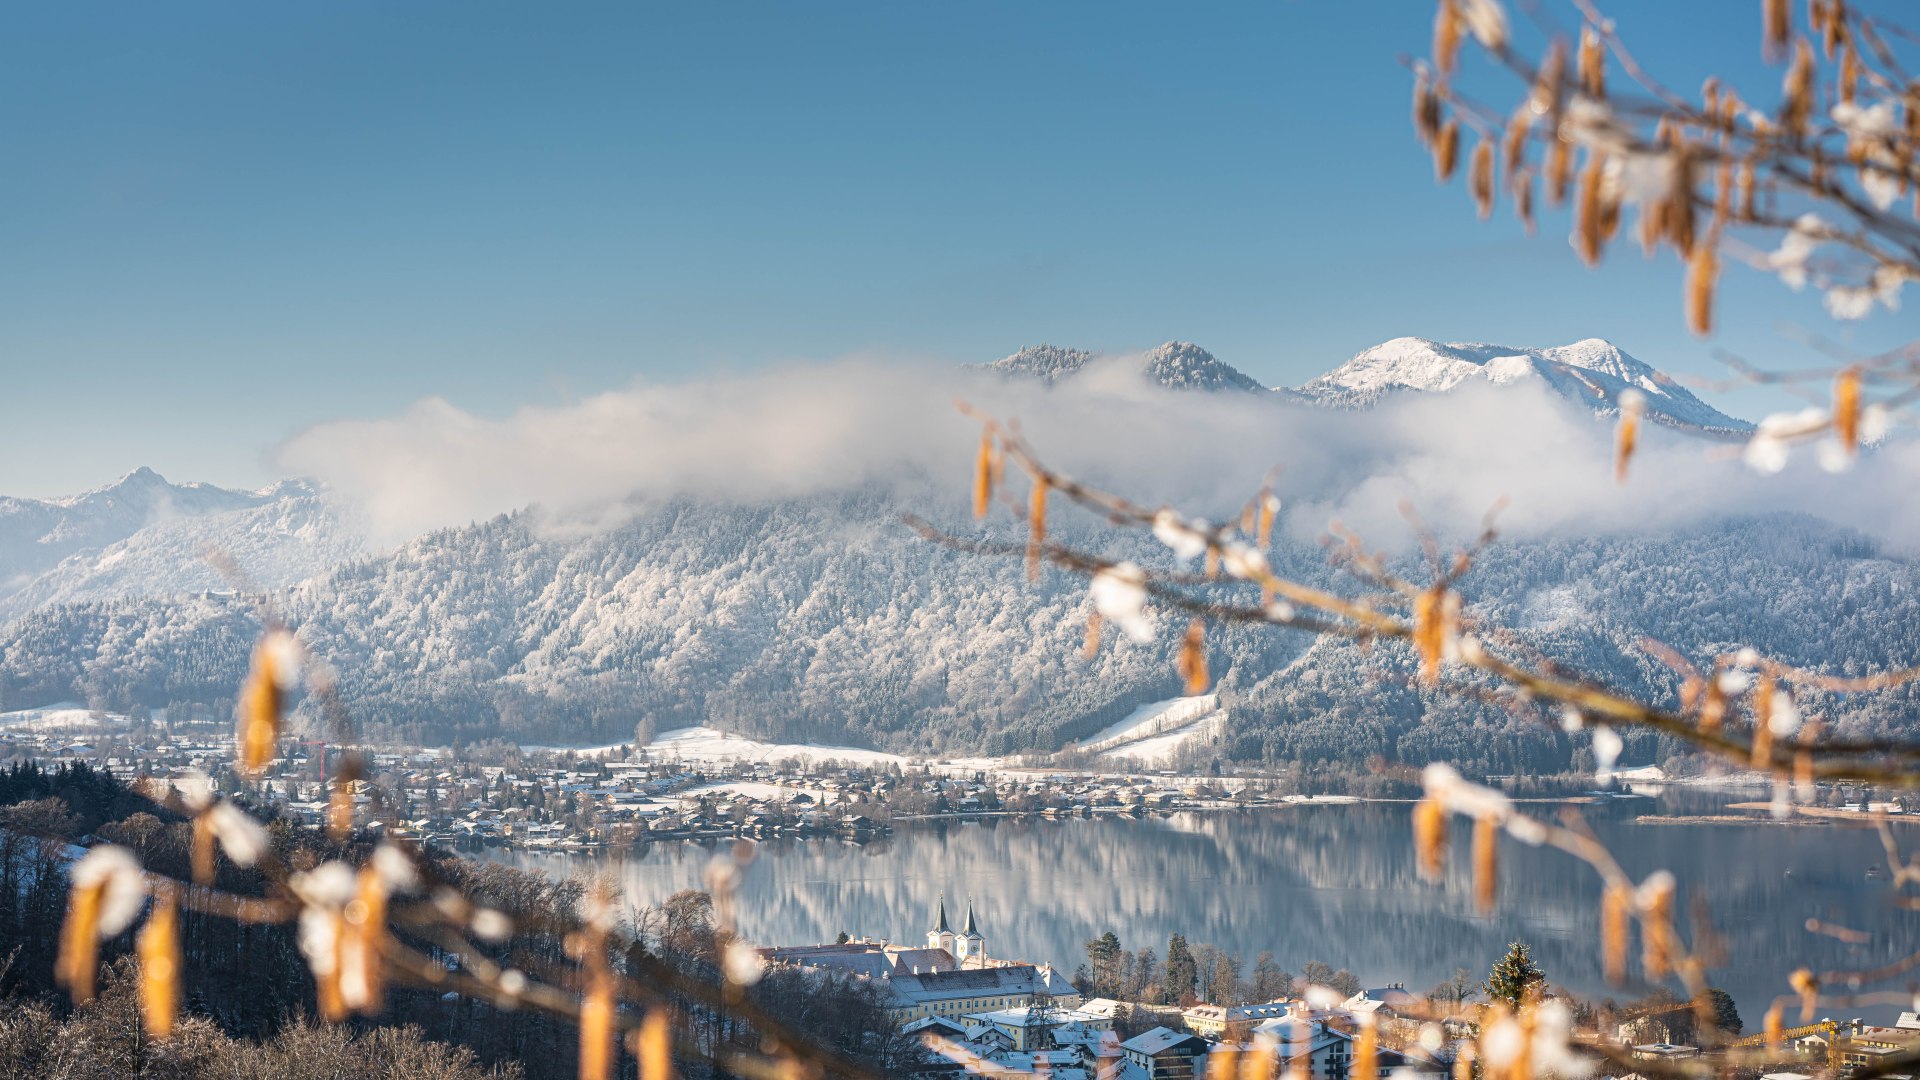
point(827, 620)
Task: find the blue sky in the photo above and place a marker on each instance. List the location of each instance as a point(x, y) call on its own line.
point(227, 222)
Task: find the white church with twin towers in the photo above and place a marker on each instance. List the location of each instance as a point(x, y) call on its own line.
point(950, 976)
point(968, 944)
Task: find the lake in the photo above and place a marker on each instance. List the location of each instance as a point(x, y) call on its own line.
point(1318, 882)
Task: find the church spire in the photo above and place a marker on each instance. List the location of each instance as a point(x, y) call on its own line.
point(969, 930)
point(940, 916)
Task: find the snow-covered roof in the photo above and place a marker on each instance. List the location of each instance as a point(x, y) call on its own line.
point(937, 1023)
point(1161, 1039)
point(931, 986)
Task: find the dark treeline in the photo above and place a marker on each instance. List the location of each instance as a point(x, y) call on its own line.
point(1189, 974)
point(248, 995)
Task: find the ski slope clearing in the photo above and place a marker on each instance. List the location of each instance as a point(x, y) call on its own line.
point(1153, 732)
point(1154, 718)
point(708, 744)
point(1161, 747)
point(1158, 729)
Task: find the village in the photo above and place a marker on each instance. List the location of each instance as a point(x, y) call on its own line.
point(562, 799)
point(980, 1013)
point(983, 1015)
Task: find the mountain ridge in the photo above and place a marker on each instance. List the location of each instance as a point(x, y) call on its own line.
point(145, 535)
point(1175, 365)
point(1592, 372)
point(819, 619)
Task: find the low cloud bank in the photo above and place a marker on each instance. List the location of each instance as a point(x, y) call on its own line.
point(799, 430)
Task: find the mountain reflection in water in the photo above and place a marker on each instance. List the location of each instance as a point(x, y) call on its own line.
point(1330, 882)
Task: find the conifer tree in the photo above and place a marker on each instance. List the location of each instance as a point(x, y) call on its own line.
point(1182, 971)
point(1726, 1014)
point(1516, 978)
point(1103, 960)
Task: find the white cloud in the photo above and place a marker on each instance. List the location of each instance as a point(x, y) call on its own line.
point(796, 430)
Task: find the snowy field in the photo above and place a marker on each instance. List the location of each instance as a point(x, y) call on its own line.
point(1153, 732)
point(705, 744)
point(752, 789)
point(583, 751)
point(66, 716)
point(1143, 738)
point(708, 744)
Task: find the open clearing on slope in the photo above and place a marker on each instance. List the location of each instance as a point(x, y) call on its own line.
point(705, 744)
point(66, 716)
point(708, 744)
point(1144, 737)
point(1153, 732)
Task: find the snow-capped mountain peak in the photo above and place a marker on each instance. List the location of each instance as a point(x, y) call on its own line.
point(1177, 365)
point(1048, 363)
point(1183, 365)
point(140, 484)
point(1592, 372)
point(144, 535)
point(144, 490)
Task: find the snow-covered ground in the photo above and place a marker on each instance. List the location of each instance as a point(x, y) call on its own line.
point(583, 751)
point(1143, 738)
point(703, 744)
point(708, 744)
point(1153, 718)
point(753, 789)
point(66, 716)
point(1156, 730)
point(1161, 747)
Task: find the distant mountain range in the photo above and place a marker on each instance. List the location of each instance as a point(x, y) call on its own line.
point(1591, 373)
point(1177, 365)
point(37, 533)
point(144, 536)
point(820, 619)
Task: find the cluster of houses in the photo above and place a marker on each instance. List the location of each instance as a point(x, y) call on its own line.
point(580, 806)
point(1085, 1040)
point(990, 1016)
point(1832, 1047)
point(75, 733)
point(981, 1014)
point(559, 800)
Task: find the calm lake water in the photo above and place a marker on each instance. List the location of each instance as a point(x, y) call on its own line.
point(1328, 882)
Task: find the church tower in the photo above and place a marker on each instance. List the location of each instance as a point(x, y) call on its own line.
point(941, 936)
point(972, 944)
